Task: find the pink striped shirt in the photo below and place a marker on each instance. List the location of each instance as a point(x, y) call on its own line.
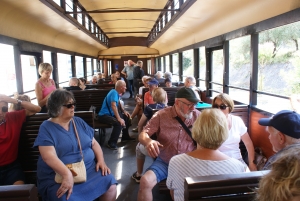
point(170, 133)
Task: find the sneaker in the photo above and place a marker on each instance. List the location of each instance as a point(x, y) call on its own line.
point(112, 146)
point(136, 178)
point(135, 130)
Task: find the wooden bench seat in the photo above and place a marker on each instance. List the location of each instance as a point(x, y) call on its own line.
point(222, 187)
point(27, 192)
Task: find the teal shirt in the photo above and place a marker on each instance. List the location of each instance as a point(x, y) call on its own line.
point(112, 96)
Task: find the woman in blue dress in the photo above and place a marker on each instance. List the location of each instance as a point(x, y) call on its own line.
point(58, 146)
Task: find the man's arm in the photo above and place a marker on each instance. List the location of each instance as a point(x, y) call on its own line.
point(30, 108)
point(117, 115)
point(124, 71)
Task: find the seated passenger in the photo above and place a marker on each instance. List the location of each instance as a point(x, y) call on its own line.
point(159, 77)
point(100, 78)
point(113, 78)
point(10, 127)
point(168, 83)
point(147, 97)
point(83, 80)
point(117, 73)
point(282, 183)
point(74, 84)
point(58, 145)
point(237, 131)
point(283, 129)
point(210, 130)
point(168, 75)
point(17, 107)
point(93, 80)
point(160, 98)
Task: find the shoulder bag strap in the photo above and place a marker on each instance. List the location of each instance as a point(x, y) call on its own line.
point(77, 137)
point(185, 128)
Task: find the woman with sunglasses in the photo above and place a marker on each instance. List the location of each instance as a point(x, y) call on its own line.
point(10, 128)
point(58, 145)
point(237, 131)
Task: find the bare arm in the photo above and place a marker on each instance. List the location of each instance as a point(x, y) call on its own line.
point(123, 72)
point(100, 158)
point(250, 149)
point(49, 156)
point(29, 107)
point(152, 146)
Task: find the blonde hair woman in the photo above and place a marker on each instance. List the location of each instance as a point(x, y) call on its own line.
point(283, 181)
point(210, 130)
point(44, 86)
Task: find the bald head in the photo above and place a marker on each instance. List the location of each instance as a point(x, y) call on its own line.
point(119, 84)
point(73, 82)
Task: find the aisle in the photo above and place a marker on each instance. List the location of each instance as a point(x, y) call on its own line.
point(122, 162)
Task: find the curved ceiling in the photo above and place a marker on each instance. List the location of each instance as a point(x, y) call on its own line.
point(32, 20)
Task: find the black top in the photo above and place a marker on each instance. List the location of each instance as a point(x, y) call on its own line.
point(138, 73)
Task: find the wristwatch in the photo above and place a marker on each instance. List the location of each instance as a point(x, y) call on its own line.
point(19, 102)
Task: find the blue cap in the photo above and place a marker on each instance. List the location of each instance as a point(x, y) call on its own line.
point(153, 82)
point(286, 121)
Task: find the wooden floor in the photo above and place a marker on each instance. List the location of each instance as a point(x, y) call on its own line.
point(122, 162)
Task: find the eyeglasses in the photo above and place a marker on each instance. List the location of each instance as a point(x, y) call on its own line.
point(222, 107)
point(69, 105)
point(189, 105)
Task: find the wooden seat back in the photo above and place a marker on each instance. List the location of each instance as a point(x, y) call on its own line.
point(222, 187)
point(26, 192)
point(100, 86)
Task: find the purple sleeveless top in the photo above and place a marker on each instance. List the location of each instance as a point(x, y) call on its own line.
point(47, 90)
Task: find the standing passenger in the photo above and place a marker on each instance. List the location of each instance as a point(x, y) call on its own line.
point(10, 128)
point(171, 126)
point(128, 72)
point(44, 86)
point(138, 73)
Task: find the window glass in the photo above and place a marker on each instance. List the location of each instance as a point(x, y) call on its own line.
point(87, 21)
point(217, 68)
point(188, 63)
point(69, 6)
point(202, 70)
point(278, 64)
point(167, 58)
point(64, 69)
point(149, 66)
point(89, 66)
point(101, 69)
point(239, 68)
point(29, 72)
point(162, 66)
point(47, 57)
point(109, 67)
point(175, 76)
point(79, 66)
point(79, 16)
point(7, 71)
point(57, 2)
point(176, 5)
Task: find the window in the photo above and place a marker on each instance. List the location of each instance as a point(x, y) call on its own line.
point(162, 66)
point(8, 74)
point(202, 70)
point(278, 66)
point(47, 57)
point(69, 6)
point(175, 76)
point(239, 68)
point(57, 2)
point(79, 16)
point(167, 67)
point(64, 68)
point(149, 66)
point(188, 63)
point(87, 23)
point(29, 73)
point(89, 67)
point(217, 68)
point(109, 67)
point(79, 66)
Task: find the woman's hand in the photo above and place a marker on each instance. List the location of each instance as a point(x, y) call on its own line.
point(252, 167)
point(153, 148)
point(104, 169)
point(66, 186)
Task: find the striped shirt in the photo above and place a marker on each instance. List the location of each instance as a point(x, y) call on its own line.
point(170, 133)
point(183, 166)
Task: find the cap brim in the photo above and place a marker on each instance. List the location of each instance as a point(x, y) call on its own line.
point(193, 100)
point(264, 122)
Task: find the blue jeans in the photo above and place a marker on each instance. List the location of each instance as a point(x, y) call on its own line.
point(130, 86)
point(160, 169)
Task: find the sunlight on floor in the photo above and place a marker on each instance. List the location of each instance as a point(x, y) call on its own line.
point(119, 169)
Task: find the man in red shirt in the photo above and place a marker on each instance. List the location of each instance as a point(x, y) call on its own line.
point(10, 128)
point(172, 128)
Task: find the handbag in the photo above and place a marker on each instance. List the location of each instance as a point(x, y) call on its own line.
point(259, 160)
point(78, 169)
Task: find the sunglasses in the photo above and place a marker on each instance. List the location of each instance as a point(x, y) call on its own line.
point(222, 107)
point(69, 105)
point(4, 109)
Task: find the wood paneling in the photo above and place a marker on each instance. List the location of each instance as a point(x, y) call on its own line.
point(259, 135)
